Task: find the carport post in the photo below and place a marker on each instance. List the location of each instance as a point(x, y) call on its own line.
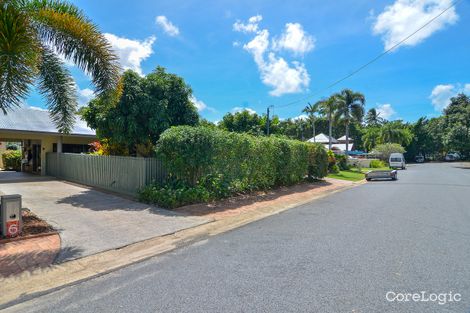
point(59, 150)
point(59, 145)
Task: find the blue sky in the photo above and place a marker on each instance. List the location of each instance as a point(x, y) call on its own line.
point(252, 54)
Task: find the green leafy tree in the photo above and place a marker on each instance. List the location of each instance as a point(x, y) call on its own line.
point(384, 151)
point(396, 132)
point(242, 122)
point(371, 137)
point(349, 108)
point(34, 34)
point(457, 121)
point(145, 108)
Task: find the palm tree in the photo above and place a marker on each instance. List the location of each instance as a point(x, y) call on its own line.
point(373, 118)
point(327, 107)
point(350, 107)
point(34, 37)
point(311, 110)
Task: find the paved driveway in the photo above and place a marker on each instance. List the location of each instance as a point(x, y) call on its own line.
point(91, 221)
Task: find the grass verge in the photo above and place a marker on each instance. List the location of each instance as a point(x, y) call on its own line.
point(354, 174)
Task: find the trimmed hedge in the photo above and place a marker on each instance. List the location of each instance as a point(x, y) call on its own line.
point(12, 160)
point(224, 163)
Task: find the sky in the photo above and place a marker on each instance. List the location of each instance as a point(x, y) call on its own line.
point(253, 54)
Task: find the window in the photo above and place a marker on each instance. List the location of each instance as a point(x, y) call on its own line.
point(72, 148)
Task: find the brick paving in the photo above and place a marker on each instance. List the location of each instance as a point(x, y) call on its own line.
point(28, 254)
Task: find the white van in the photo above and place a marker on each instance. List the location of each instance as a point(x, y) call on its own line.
point(397, 160)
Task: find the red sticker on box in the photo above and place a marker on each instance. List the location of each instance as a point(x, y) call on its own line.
point(13, 228)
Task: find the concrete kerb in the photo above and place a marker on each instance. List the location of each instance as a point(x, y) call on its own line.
point(42, 281)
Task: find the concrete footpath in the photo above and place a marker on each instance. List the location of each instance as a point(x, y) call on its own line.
point(20, 288)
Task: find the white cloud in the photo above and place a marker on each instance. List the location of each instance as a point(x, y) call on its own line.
point(240, 109)
point(385, 111)
point(131, 53)
point(250, 27)
point(294, 39)
point(284, 78)
point(302, 117)
point(441, 94)
point(200, 105)
point(167, 26)
point(466, 89)
point(275, 71)
point(403, 17)
point(84, 96)
point(37, 108)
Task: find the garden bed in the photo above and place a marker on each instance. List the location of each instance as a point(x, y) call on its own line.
point(33, 227)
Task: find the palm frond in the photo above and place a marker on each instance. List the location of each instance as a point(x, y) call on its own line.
point(19, 53)
point(58, 86)
point(55, 5)
point(79, 40)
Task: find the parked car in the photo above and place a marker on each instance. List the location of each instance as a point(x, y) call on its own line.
point(452, 156)
point(397, 160)
point(419, 159)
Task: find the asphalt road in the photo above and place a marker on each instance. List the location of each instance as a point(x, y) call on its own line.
point(342, 253)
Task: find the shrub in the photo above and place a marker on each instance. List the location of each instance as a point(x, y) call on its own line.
point(173, 195)
point(223, 163)
point(332, 167)
point(12, 160)
point(342, 162)
point(318, 161)
point(377, 164)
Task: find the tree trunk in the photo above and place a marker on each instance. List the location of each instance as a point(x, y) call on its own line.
point(347, 137)
point(313, 130)
point(330, 129)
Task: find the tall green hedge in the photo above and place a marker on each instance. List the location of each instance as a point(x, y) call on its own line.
point(242, 161)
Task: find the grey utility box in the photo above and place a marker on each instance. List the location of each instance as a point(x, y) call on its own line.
point(10, 213)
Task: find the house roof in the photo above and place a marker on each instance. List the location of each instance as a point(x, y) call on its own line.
point(322, 138)
point(344, 139)
point(37, 120)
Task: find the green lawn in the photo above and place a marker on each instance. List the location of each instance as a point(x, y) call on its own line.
point(353, 174)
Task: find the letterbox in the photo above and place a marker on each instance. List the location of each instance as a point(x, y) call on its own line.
point(10, 212)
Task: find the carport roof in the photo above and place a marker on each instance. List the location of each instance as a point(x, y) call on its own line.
point(30, 119)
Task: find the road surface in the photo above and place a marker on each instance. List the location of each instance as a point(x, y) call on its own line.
point(343, 253)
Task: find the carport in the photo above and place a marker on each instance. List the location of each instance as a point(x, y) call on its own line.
point(35, 130)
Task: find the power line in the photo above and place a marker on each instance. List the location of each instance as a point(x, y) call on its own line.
point(371, 61)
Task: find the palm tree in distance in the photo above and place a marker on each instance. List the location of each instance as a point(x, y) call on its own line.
point(373, 118)
point(350, 107)
point(34, 37)
point(311, 110)
point(327, 107)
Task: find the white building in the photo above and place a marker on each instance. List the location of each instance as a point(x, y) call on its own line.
point(337, 145)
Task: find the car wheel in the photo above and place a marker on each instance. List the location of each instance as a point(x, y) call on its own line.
point(368, 179)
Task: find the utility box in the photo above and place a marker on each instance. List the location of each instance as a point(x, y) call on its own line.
point(10, 215)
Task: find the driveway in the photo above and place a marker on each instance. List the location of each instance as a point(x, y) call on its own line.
point(341, 253)
point(90, 221)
